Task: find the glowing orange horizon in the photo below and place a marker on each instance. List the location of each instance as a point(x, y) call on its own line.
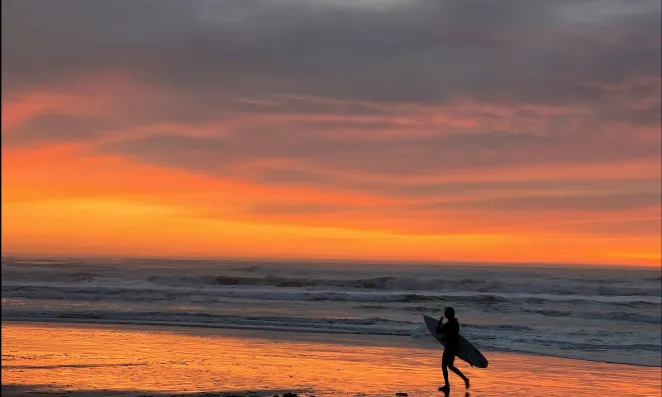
point(72, 199)
point(120, 208)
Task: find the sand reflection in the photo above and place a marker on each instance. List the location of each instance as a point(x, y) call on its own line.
point(94, 358)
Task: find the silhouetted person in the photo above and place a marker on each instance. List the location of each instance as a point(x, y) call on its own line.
point(451, 331)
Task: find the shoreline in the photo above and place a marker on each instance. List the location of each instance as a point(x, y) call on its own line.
point(298, 261)
point(265, 333)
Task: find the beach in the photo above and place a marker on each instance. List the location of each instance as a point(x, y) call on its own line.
point(106, 328)
point(129, 360)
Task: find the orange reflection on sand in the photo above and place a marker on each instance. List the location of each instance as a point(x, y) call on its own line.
point(185, 360)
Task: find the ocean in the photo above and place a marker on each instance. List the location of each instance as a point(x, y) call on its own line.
point(606, 315)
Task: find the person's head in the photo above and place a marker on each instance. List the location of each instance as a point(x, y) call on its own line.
point(449, 312)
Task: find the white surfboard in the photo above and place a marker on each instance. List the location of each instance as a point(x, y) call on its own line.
point(466, 351)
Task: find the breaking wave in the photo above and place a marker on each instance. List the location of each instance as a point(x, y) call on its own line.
point(603, 315)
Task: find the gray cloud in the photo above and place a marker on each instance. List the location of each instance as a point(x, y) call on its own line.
point(462, 214)
point(418, 51)
point(571, 202)
point(216, 155)
point(554, 195)
point(57, 127)
point(529, 188)
point(423, 154)
point(612, 227)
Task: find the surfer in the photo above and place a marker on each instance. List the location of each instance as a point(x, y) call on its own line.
point(451, 331)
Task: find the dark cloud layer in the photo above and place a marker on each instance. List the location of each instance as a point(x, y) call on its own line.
point(414, 51)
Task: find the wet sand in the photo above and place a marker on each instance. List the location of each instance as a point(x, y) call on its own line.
point(117, 360)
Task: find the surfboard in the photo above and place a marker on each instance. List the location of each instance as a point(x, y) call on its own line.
point(466, 351)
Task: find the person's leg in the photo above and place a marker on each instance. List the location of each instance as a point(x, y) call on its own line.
point(444, 370)
point(460, 374)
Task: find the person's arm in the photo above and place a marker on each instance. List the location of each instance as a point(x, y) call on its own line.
point(441, 327)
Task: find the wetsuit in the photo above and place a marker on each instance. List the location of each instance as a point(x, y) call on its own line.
point(451, 330)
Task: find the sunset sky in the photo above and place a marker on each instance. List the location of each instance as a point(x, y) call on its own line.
point(491, 131)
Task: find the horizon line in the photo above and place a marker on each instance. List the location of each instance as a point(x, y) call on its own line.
point(344, 261)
